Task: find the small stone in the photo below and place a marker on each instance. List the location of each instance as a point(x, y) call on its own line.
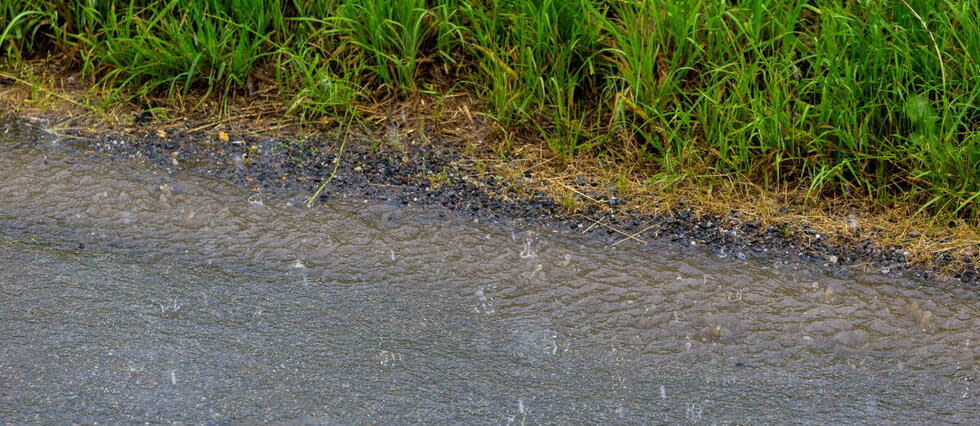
point(143, 117)
point(832, 259)
point(358, 169)
point(852, 224)
point(914, 234)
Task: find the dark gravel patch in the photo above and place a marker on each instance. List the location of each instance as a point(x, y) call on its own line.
point(435, 174)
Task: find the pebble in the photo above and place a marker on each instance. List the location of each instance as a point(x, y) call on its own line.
point(143, 117)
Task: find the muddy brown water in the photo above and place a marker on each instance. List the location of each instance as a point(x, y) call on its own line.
point(130, 293)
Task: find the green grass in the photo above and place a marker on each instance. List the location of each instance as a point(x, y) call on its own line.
point(871, 99)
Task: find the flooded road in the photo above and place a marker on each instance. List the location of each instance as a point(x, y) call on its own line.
point(129, 293)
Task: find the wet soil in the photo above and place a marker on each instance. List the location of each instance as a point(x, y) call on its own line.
point(427, 172)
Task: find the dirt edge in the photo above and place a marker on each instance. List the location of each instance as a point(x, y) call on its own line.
point(411, 159)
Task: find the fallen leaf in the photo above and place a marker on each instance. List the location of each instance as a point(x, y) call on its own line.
point(161, 134)
point(222, 136)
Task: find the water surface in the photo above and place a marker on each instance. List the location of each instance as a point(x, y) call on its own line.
point(130, 293)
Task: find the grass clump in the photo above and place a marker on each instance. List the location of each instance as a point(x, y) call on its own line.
point(875, 100)
point(174, 45)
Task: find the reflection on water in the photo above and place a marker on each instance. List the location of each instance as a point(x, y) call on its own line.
point(195, 300)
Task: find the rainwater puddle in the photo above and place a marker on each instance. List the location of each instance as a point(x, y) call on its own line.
point(129, 293)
